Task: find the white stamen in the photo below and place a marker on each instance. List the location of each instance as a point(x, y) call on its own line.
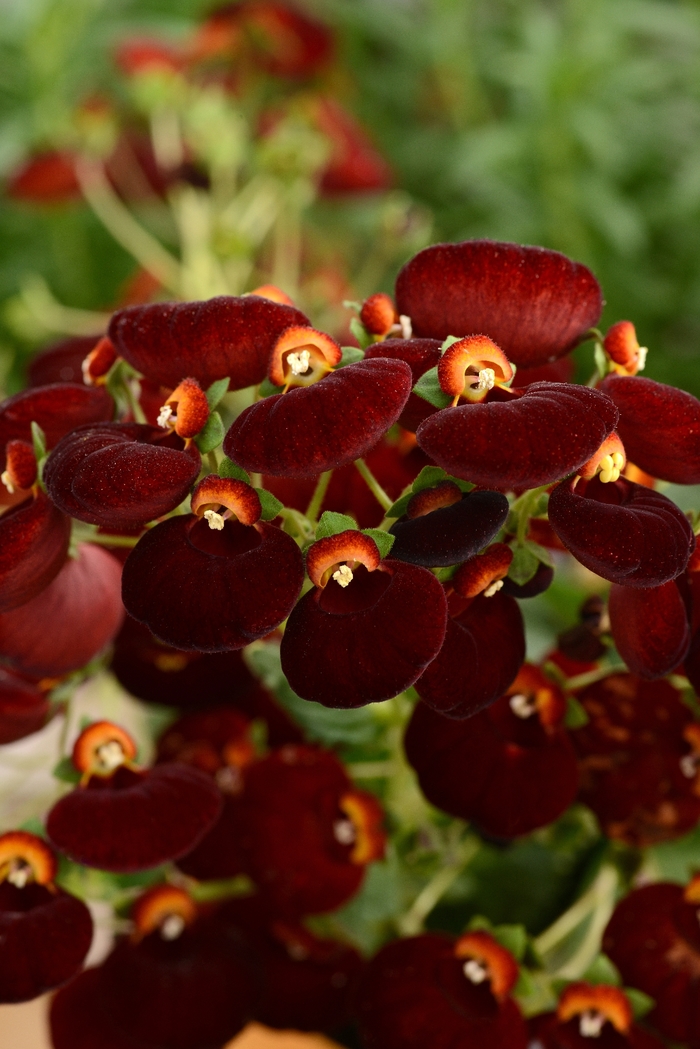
point(522, 706)
point(344, 832)
point(486, 380)
point(165, 416)
point(7, 481)
point(591, 1024)
point(110, 755)
point(85, 368)
point(689, 765)
point(299, 362)
point(494, 588)
point(406, 326)
point(19, 874)
point(343, 576)
point(642, 358)
point(172, 927)
point(474, 971)
point(214, 520)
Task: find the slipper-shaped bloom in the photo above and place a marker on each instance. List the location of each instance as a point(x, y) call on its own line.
point(211, 580)
point(368, 628)
point(534, 437)
point(34, 540)
point(654, 940)
point(511, 768)
point(659, 427)
point(122, 818)
point(622, 531)
point(58, 408)
point(24, 708)
point(120, 475)
point(306, 834)
point(45, 932)
point(535, 303)
point(62, 361)
point(591, 1014)
point(432, 991)
point(650, 628)
point(68, 623)
point(223, 336)
point(420, 355)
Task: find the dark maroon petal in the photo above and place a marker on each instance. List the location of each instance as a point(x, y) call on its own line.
point(320, 427)
point(80, 1017)
point(622, 531)
point(452, 533)
point(120, 475)
point(420, 355)
point(483, 650)
point(561, 370)
point(535, 439)
point(57, 408)
point(131, 821)
point(218, 854)
point(650, 628)
point(536, 304)
point(346, 648)
point(34, 539)
point(659, 427)
point(61, 362)
point(44, 937)
point(68, 623)
point(23, 707)
point(541, 581)
point(224, 336)
point(212, 591)
point(508, 775)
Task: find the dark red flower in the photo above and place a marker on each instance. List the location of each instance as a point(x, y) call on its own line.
point(550, 430)
point(650, 628)
point(367, 629)
point(45, 933)
point(34, 539)
point(622, 531)
point(355, 164)
point(586, 1012)
point(511, 768)
point(46, 178)
point(69, 622)
point(223, 336)
point(23, 707)
point(430, 991)
point(536, 304)
point(420, 355)
point(120, 475)
point(442, 526)
point(62, 361)
point(57, 408)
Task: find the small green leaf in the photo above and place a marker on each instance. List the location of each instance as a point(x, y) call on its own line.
point(523, 566)
point(641, 1003)
point(541, 553)
point(211, 435)
point(332, 523)
point(216, 391)
point(431, 391)
point(350, 304)
point(428, 477)
point(227, 468)
point(360, 332)
point(398, 509)
point(576, 716)
point(351, 355)
point(602, 970)
point(383, 540)
point(601, 359)
point(267, 388)
point(66, 771)
point(449, 341)
point(513, 938)
point(39, 441)
point(270, 505)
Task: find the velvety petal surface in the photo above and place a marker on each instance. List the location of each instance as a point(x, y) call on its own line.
point(452, 533)
point(223, 336)
point(527, 441)
point(23, 707)
point(535, 303)
point(420, 355)
point(61, 362)
point(650, 628)
point(57, 408)
point(34, 539)
point(315, 428)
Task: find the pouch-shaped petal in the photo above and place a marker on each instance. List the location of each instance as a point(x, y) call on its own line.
point(659, 427)
point(535, 303)
point(23, 707)
point(420, 355)
point(483, 650)
point(367, 642)
point(524, 442)
point(57, 408)
point(223, 336)
point(34, 539)
point(196, 588)
point(650, 628)
point(450, 534)
point(315, 428)
point(62, 361)
point(120, 475)
point(622, 531)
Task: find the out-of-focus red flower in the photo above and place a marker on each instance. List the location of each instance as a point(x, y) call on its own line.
point(46, 178)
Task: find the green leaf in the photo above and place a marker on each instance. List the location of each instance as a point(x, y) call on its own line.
point(398, 509)
point(350, 304)
point(211, 435)
point(270, 505)
point(66, 771)
point(332, 523)
point(602, 970)
point(523, 566)
point(431, 391)
point(39, 441)
point(576, 716)
point(641, 1003)
point(449, 341)
point(351, 355)
point(267, 388)
point(383, 540)
point(360, 332)
point(216, 391)
point(428, 478)
point(513, 937)
point(601, 359)
point(227, 468)
point(541, 552)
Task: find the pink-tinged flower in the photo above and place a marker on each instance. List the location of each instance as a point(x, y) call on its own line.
point(45, 933)
point(432, 991)
point(638, 759)
point(650, 628)
point(320, 427)
point(511, 768)
point(70, 621)
point(46, 178)
point(355, 164)
point(123, 818)
point(654, 939)
point(24, 708)
point(483, 650)
point(34, 539)
point(420, 355)
point(531, 439)
point(224, 336)
point(211, 580)
point(306, 834)
point(120, 475)
point(659, 427)
point(622, 531)
point(57, 408)
point(368, 628)
point(62, 361)
point(597, 1014)
point(536, 304)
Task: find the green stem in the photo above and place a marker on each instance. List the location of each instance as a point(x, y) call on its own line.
point(522, 508)
point(312, 510)
point(597, 902)
point(127, 541)
point(212, 462)
point(573, 684)
point(412, 922)
point(373, 484)
point(136, 409)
